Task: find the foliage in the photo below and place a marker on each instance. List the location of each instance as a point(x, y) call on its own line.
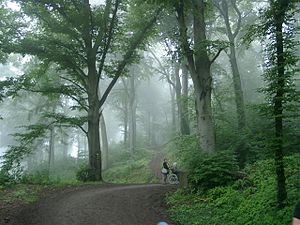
point(129, 168)
point(251, 200)
point(10, 29)
point(205, 171)
point(131, 171)
point(14, 155)
point(5, 179)
point(37, 177)
point(277, 26)
point(85, 173)
point(20, 192)
point(266, 31)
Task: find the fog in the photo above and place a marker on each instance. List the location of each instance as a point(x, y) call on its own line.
point(48, 108)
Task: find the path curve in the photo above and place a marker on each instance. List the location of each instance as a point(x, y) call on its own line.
point(100, 205)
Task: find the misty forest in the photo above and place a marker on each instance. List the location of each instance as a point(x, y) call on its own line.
point(98, 97)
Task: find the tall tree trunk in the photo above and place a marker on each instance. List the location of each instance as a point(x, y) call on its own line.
point(241, 149)
point(81, 146)
point(185, 124)
point(132, 114)
point(126, 123)
point(199, 66)
point(279, 13)
point(239, 95)
point(93, 120)
point(65, 145)
point(51, 151)
point(173, 107)
point(93, 133)
point(125, 108)
point(93, 126)
point(104, 143)
point(94, 141)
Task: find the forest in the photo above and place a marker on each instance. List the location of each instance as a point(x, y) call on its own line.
point(105, 90)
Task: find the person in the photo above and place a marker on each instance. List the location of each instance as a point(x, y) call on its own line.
point(165, 170)
point(175, 169)
point(296, 218)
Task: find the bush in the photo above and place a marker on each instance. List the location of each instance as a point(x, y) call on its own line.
point(209, 171)
point(37, 177)
point(4, 178)
point(205, 171)
point(85, 173)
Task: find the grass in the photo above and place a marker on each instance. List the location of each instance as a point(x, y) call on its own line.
point(131, 171)
point(29, 193)
point(21, 193)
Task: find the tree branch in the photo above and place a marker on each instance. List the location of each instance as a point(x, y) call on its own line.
point(179, 7)
point(57, 91)
point(131, 49)
point(108, 37)
point(73, 82)
point(164, 72)
point(239, 22)
point(217, 55)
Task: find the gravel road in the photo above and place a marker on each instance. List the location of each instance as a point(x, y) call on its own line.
point(99, 205)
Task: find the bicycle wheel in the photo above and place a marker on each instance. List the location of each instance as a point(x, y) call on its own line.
point(173, 179)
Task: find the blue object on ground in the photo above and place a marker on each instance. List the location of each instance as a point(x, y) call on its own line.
point(162, 223)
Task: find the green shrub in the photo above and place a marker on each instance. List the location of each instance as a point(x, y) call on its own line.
point(205, 171)
point(5, 179)
point(209, 171)
point(248, 201)
point(85, 173)
point(36, 177)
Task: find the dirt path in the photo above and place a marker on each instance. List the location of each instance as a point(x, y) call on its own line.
point(99, 205)
point(156, 164)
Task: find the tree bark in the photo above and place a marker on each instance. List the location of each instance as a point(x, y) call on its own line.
point(173, 107)
point(65, 145)
point(185, 124)
point(51, 150)
point(199, 67)
point(104, 142)
point(238, 90)
point(132, 114)
point(93, 133)
point(93, 123)
point(279, 14)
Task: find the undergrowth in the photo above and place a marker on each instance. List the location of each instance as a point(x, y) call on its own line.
point(131, 171)
point(248, 201)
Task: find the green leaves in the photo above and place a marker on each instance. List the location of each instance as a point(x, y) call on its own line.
point(205, 171)
point(250, 200)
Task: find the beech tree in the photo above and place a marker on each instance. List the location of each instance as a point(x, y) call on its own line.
point(232, 31)
point(86, 42)
point(199, 59)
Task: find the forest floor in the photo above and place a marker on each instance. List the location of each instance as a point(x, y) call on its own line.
point(103, 204)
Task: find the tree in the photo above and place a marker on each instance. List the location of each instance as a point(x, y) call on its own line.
point(170, 71)
point(277, 27)
point(199, 64)
point(104, 143)
point(232, 34)
point(84, 40)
